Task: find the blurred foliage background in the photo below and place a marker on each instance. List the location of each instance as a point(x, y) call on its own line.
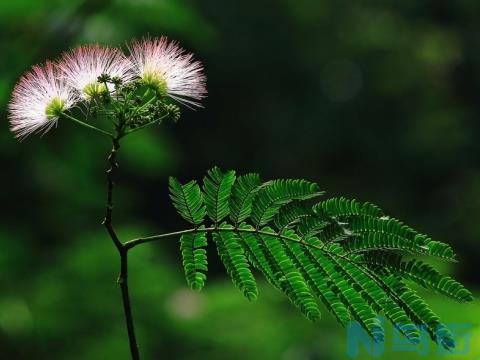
point(376, 100)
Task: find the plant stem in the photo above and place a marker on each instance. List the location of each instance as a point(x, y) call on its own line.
point(122, 250)
point(132, 243)
point(127, 309)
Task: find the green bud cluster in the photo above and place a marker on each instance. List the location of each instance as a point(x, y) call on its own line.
point(141, 115)
point(173, 112)
point(131, 87)
point(135, 103)
point(104, 78)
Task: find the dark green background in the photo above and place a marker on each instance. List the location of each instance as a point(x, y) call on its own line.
point(376, 100)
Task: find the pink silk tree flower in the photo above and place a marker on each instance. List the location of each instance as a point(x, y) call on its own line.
point(168, 69)
point(38, 100)
point(83, 65)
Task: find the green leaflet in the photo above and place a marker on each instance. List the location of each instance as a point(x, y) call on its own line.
point(440, 249)
point(351, 298)
point(373, 293)
point(291, 214)
point(194, 258)
point(255, 251)
point(217, 187)
point(342, 253)
point(375, 241)
point(416, 307)
point(311, 226)
point(243, 192)
point(333, 232)
point(358, 307)
point(317, 281)
point(389, 228)
point(290, 279)
point(272, 197)
point(421, 273)
point(233, 257)
point(384, 225)
point(344, 207)
point(188, 200)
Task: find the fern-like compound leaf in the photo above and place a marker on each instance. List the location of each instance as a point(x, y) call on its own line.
point(374, 294)
point(389, 228)
point(376, 241)
point(217, 187)
point(420, 312)
point(291, 280)
point(194, 256)
point(344, 254)
point(316, 280)
point(421, 273)
point(188, 200)
point(243, 192)
point(351, 297)
point(256, 253)
point(233, 257)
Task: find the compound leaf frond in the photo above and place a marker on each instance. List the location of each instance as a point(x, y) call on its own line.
point(344, 254)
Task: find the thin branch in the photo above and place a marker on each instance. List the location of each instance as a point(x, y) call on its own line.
point(122, 250)
point(132, 243)
point(88, 126)
point(113, 165)
point(127, 308)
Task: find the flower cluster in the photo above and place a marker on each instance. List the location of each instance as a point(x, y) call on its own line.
point(90, 72)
